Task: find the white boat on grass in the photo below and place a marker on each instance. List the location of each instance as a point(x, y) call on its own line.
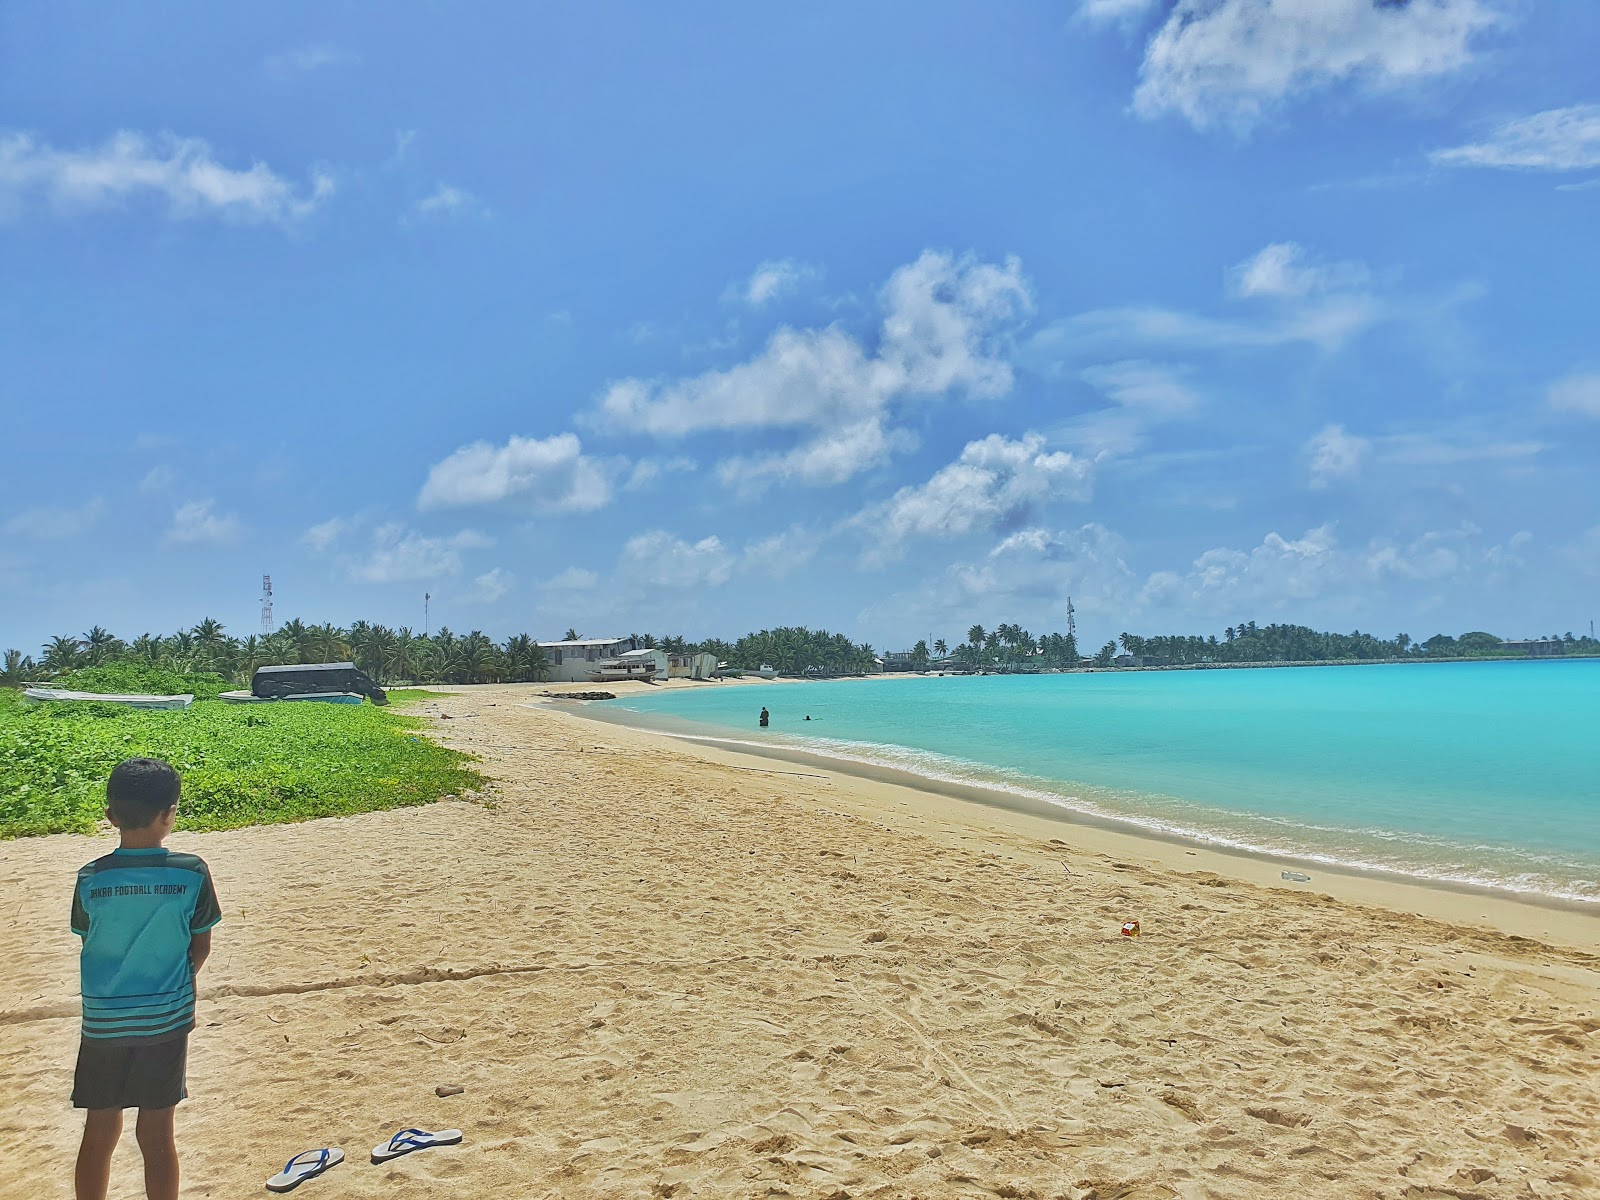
point(154, 703)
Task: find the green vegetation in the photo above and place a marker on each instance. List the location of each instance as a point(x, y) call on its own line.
point(415, 695)
point(209, 659)
point(241, 764)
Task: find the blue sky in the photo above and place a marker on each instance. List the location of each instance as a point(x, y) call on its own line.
point(886, 318)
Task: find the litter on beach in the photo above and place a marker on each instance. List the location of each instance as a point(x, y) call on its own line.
point(303, 1166)
point(1295, 876)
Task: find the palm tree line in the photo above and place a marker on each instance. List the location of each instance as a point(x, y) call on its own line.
point(402, 655)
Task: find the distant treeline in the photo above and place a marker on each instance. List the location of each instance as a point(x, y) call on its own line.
point(395, 655)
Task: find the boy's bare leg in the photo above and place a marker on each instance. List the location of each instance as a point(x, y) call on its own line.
point(160, 1149)
point(101, 1129)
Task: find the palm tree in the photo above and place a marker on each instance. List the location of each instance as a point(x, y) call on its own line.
point(62, 654)
point(16, 669)
point(940, 648)
point(99, 645)
point(572, 635)
point(976, 636)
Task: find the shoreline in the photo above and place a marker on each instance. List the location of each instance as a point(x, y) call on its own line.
point(639, 966)
point(1571, 922)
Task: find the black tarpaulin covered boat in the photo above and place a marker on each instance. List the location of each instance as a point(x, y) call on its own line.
point(311, 679)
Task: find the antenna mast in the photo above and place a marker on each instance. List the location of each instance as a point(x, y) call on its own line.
point(266, 606)
point(1072, 623)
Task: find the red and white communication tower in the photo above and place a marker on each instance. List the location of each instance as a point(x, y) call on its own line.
point(266, 606)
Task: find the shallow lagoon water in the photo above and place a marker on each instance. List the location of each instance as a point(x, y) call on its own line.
point(1484, 773)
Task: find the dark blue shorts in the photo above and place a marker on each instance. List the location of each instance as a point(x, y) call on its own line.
point(131, 1075)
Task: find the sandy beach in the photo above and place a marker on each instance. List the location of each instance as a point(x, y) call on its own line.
point(657, 968)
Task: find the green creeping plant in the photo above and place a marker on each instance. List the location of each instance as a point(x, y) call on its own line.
point(241, 764)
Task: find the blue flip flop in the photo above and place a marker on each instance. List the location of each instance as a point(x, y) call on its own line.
point(408, 1140)
point(304, 1166)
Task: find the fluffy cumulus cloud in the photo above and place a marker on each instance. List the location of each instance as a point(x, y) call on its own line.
point(774, 279)
point(1230, 62)
point(666, 560)
point(1577, 393)
point(183, 172)
point(398, 555)
point(198, 523)
point(1285, 269)
point(46, 524)
point(1026, 576)
point(1278, 572)
point(1560, 139)
point(1336, 454)
point(832, 456)
point(942, 333)
point(492, 585)
point(550, 475)
point(996, 483)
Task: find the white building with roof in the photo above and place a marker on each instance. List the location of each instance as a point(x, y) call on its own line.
point(571, 662)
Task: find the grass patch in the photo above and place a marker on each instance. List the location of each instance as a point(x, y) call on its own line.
point(255, 764)
point(416, 695)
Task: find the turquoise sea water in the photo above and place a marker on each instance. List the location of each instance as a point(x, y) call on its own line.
point(1483, 773)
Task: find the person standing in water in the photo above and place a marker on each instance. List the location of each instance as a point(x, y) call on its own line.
point(764, 717)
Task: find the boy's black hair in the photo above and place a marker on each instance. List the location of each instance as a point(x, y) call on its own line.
point(140, 790)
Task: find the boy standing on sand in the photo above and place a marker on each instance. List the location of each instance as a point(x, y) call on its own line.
point(145, 915)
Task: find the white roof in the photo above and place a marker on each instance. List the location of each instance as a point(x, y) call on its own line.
point(586, 642)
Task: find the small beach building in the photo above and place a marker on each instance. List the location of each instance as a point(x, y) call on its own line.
point(691, 666)
point(571, 662)
point(1541, 648)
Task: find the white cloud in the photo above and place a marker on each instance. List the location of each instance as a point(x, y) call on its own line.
point(183, 171)
point(399, 554)
point(942, 333)
point(1560, 139)
point(1145, 394)
point(573, 579)
point(1447, 448)
point(1276, 572)
point(781, 553)
point(1326, 322)
point(1577, 393)
point(196, 523)
point(1336, 454)
point(1118, 12)
point(833, 456)
point(1284, 269)
point(307, 58)
point(1230, 62)
point(158, 479)
point(1026, 577)
point(666, 560)
point(647, 470)
point(776, 278)
point(1437, 554)
point(46, 524)
point(320, 537)
point(492, 585)
point(995, 483)
point(551, 474)
point(446, 200)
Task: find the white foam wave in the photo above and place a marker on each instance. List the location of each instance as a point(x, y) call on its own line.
point(942, 768)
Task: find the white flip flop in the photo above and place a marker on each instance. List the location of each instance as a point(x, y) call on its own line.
point(304, 1166)
point(408, 1140)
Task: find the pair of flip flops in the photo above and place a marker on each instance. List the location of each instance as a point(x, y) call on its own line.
point(312, 1163)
